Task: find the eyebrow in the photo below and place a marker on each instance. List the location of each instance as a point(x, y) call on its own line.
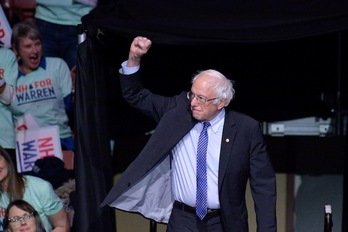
point(26, 213)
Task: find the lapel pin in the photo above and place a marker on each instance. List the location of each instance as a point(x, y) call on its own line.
point(227, 140)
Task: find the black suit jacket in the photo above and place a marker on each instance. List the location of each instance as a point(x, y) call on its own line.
point(243, 157)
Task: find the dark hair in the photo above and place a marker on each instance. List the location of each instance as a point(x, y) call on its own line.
point(23, 205)
point(16, 185)
point(22, 30)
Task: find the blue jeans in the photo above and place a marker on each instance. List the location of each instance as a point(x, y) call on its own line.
point(59, 41)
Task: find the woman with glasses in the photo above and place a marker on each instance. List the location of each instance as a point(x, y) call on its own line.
point(36, 191)
point(21, 216)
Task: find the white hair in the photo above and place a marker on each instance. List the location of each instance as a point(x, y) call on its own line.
point(223, 86)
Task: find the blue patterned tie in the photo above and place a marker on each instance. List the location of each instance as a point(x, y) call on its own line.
point(201, 193)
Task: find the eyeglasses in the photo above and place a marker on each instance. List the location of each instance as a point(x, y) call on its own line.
point(26, 217)
point(200, 99)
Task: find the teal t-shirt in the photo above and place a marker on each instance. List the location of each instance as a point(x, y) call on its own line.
point(40, 194)
point(9, 72)
point(61, 12)
point(41, 94)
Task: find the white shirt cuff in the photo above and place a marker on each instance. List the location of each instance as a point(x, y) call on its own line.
point(128, 70)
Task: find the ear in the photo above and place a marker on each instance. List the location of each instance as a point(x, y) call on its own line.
point(15, 50)
point(221, 104)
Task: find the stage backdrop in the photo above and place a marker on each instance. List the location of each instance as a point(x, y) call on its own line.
point(288, 60)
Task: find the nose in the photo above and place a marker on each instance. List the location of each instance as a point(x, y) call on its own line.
point(194, 101)
point(23, 221)
point(35, 49)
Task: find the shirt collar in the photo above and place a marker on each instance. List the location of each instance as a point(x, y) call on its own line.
point(216, 122)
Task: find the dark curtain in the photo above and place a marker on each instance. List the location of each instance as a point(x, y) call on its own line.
point(283, 55)
point(220, 21)
point(94, 176)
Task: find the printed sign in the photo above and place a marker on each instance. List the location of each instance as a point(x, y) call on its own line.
point(34, 144)
point(5, 29)
point(26, 122)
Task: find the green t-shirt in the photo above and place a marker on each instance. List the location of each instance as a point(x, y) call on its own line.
point(41, 94)
point(61, 12)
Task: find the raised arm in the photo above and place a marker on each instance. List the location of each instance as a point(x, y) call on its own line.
point(8, 75)
point(6, 93)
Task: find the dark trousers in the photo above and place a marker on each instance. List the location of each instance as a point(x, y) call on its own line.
point(182, 221)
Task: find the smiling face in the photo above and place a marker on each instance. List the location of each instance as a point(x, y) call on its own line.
point(203, 86)
point(30, 52)
point(21, 220)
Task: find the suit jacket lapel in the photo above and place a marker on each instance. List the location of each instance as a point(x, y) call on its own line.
point(227, 143)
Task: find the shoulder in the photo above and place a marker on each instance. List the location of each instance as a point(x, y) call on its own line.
point(240, 117)
point(6, 52)
point(56, 65)
point(54, 60)
point(38, 186)
point(33, 180)
point(242, 122)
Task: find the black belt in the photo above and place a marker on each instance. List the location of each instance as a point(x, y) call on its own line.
point(210, 212)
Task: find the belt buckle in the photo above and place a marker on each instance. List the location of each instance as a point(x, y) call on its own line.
point(212, 213)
